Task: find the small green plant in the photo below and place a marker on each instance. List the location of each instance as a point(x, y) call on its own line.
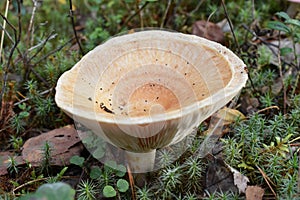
point(87, 190)
point(193, 170)
point(58, 177)
point(16, 143)
point(171, 180)
point(145, 193)
point(12, 165)
point(265, 143)
point(46, 159)
point(112, 176)
point(18, 121)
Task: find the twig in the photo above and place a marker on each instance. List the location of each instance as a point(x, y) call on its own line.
point(296, 83)
point(7, 34)
point(267, 179)
point(3, 30)
point(73, 25)
point(42, 44)
point(197, 7)
point(52, 52)
point(27, 98)
point(281, 78)
point(165, 14)
point(131, 182)
point(10, 38)
point(268, 44)
point(17, 40)
point(231, 27)
point(136, 13)
point(268, 108)
point(30, 27)
point(39, 76)
point(137, 2)
point(253, 9)
point(299, 173)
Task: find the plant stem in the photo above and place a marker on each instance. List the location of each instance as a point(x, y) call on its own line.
point(17, 40)
point(73, 25)
point(3, 30)
point(231, 27)
point(165, 14)
point(141, 162)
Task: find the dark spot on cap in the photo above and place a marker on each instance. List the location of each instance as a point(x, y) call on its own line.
point(90, 98)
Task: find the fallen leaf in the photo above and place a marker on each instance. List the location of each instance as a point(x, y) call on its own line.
point(229, 115)
point(64, 143)
point(208, 30)
point(219, 177)
point(239, 179)
point(254, 193)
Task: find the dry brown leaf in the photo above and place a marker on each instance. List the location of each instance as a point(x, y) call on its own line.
point(254, 193)
point(64, 143)
point(229, 115)
point(208, 30)
point(239, 180)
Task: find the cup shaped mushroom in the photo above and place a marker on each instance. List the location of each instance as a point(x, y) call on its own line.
point(146, 90)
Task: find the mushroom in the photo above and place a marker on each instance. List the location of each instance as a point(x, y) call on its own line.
point(147, 90)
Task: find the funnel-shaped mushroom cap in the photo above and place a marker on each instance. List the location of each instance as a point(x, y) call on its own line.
point(149, 89)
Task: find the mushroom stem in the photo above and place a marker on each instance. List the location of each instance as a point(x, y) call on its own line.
point(141, 162)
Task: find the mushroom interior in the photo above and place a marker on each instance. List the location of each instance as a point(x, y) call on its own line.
point(148, 74)
point(141, 75)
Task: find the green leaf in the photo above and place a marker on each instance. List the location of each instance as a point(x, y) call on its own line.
point(278, 26)
point(95, 172)
point(284, 15)
point(293, 22)
point(56, 191)
point(122, 185)
point(24, 114)
point(245, 166)
point(285, 50)
point(99, 153)
point(121, 170)
point(109, 191)
point(88, 140)
point(61, 173)
point(286, 139)
point(53, 191)
point(77, 160)
point(110, 164)
point(22, 106)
